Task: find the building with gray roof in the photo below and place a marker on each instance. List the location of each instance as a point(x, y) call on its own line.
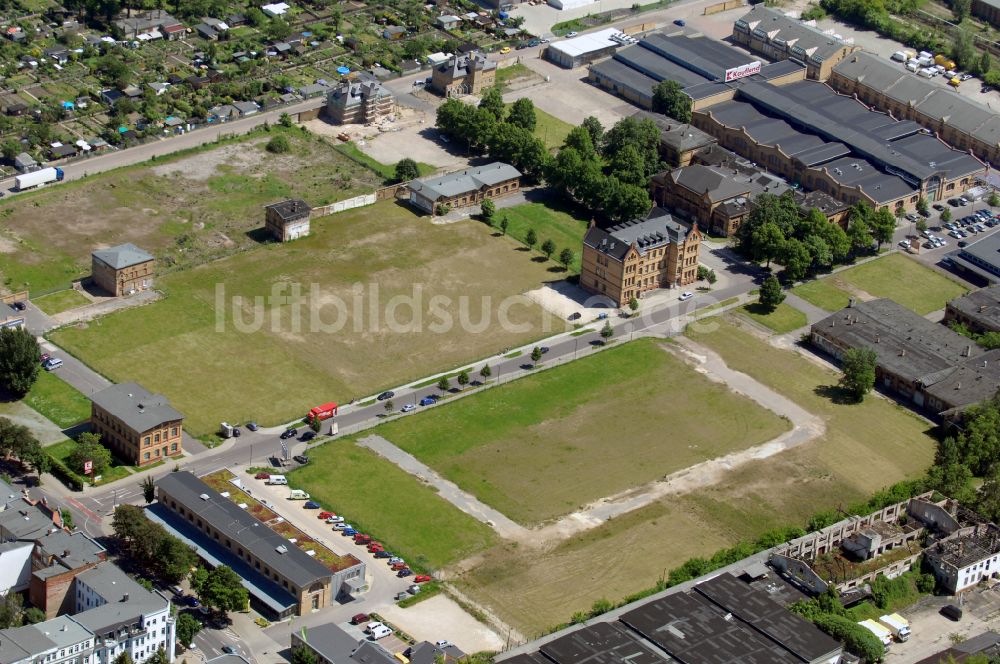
point(769, 32)
point(978, 310)
point(136, 424)
point(121, 270)
point(464, 74)
point(679, 141)
point(464, 188)
point(359, 102)
point(979, 260)
point(58, 557)
point(332, 645)
point(281, 578)
point(937, 369)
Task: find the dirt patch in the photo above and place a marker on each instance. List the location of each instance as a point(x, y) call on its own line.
point(440, 617)
point(7, 246)
point(239, 157)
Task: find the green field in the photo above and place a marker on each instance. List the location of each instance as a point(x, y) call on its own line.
point(536, 589)
point(782, 320)
point(184, 209)
point(902, 279)
point(539, 447)
point(386, 171)
point(507, 74)
point(394, 507)
point(551, 221)
point(288, 363)
point(57, 400)
point(551, 129)
point(823, 294)
point(60, 301)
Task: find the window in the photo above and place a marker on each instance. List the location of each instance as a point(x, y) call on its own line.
point(156, 437)
point(146, 456)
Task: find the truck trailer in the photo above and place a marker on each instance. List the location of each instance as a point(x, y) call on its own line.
point(324, 412)
point(897, 624)
point(38, 178)
point(883, 634)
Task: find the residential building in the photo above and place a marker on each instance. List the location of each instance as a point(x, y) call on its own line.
point(287, 220)
point(25, 163)
point(978, 310)
point(282, 578)
point(122, 270)
point(630, 259)
point(464, 188)
point(767, 31)
point(331, 644)
point(138, 426)
point(359, 102)
point(988, 10)
point(966, 558)
point(937, 369)
point(448, 21)
point(955, 118)
point(56, 641)
point(679, 141)
point(122, 615)
point(979, 260)
point(57, 559)
point(464, 74)
point(146, 23)
point(245, 108)
point(587, 48)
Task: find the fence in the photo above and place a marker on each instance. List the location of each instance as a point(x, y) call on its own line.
point(341, 206)
point(14, 297)
point(723, 6)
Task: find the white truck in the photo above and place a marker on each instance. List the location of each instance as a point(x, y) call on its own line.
point(38, 178)
point(298, 494)
point(897, 624)
point(883, 634)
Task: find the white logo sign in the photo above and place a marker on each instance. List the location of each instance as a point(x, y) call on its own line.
point(743, 71)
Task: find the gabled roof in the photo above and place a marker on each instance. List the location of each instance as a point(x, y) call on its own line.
point(656, 230)
point(122, 256)
point(137, 407)
point(779, 28)
point(461, 182)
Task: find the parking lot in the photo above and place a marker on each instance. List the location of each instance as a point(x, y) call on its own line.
point(932, 632)
point(942, 238)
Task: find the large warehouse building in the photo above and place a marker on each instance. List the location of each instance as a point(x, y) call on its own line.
point(585, 49)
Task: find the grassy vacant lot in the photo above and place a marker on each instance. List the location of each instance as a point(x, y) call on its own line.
point(115, 471)
point(184, 209)
point(866, 447)
point(60, 301)
point(902, 279)
point(57, 400)
point(378, 498)
point(386, 171)
point(783, 319)
point(551, 129)
point(518, 71)
point(290, 362)
point(823, 294)
point(551, 221)
point(542, 446)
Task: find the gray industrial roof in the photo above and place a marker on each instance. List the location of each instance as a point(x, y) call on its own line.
point(985, 251)
point(426, 652)
point(657, 67)
point(462, 182)
point(973, 381)
point(10, 652)
point(63, 631)
point(137, 407)
point(656, 230)
point(336, 645)
point(677, 135)
point(122, 256)
point(781, 28)
point(243, 528)
point(625, 77)
point(981, 305)
point(72, 550)
point(24, 521)
point(114, 585)
point(601, 643)
point(708, 57)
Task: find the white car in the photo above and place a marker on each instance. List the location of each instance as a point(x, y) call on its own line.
point(686, 295)
point(570, 34)
point(335, 519)
point(341, 526)
point(394, 560)
point(408, 408)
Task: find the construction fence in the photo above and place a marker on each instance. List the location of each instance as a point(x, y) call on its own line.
point(723, 6)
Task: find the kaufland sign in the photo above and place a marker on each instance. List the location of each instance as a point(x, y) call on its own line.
point(743, 71)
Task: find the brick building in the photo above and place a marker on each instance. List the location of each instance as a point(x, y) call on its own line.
point(287, 220)
point(359, 102)
point(979, 310)
point(631, 259)
point(137, 425)
point(467, 74)
point(679, 141)
point(122, 270)
point(464, 188)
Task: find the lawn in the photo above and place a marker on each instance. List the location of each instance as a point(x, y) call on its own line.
point(57, 400)
point(115, 471)
point(386, 171)
point(341, 343)
point(60, 301)
point(539, 447)
point(394, 507)
point(782, 320)
point(902, 279)
point(536, 589)
point(508, 74)
point(185, 209)
point(550, 129)
point(823, 294)
point(551, 221)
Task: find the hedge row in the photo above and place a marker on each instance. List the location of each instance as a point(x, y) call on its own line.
point(64, 474)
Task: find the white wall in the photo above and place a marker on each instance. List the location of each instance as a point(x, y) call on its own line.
point(15, 568)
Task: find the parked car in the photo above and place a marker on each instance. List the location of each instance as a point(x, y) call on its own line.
point(571, 34)
point(428, 401)
point(262, 476)
point(953, 612)
point(421, 578)
point(335, 519)
point(938, 207)
point(505, 50)
point(680, 22)
point(408, 408)
point(963, 243)
point(311, 505)
point(192, 601)
point(543, 350)
point(43, 357)
point(388, 394)
point(301, 458)
point(289, 433)
point(686, 295)
point(405, 572)
point(348, 532)
point(413, 589)
point(383, 554)
point(307, 436)
point(533, 43)
point(401, 596)
point(394, 560)
point(397, 566)
point(341, 526)
point(229, 650)
point(18, 306)
point(52, 364)
point(359, 618)
point(252, 426)
point(965, 77)
point(325, 515)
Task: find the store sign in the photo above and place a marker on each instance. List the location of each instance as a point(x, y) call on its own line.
point(743, 71)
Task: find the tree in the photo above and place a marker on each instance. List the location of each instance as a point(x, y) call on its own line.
point(531, 238)
point(463, 378)
point(18, 360)
point(960, 8)
point(129, 525)
point(946, 215)
point(219, 588)
point(860, 236)
point(669, 99)
point(993, 200)
point(488, 208)
point(486, 372)
point(922, 207)
point(796, 258)
point(88, 448)
point(187, 627)
point(389, 406)
point(148, 489)
point(303, 655)
point(285, 120)
point(406, 170)
point(522, 114)
point(443, 384)
point(633, 305)
point(771, 294)
point(536, 355)
point(11, 611)
point(566, 257)
point(988, 499)
point(158, 657)
point(768, 242)
point(856, 638)
point(173, 558)
point(279, 144)
point(859, 372)
point(123, 658)
point(492, 103)
point(504, 224)
point(921, 225)
point(315, 424)
point(711, 278)
point(33, 615)
point(548, 248)
point(595, 129)
point(883, 225)
point(985, 63)
point(963, 51)
point(607, 331)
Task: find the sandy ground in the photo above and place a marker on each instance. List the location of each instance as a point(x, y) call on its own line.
point(440, 618)
point(45, 431)
point(418, 141)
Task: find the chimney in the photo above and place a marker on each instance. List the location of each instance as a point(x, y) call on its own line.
point(877, 337)
point(968, 351)
point(982, 308)
point(850, 303)
point(902, 353)
point(141, 408)
point(125, 597)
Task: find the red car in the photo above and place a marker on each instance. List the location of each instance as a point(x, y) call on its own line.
point(43, 357)
point(421, 578)
point(359, 618)
point(325, 515)
point(262, 476)
point(361, 538)
point(398, 566)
